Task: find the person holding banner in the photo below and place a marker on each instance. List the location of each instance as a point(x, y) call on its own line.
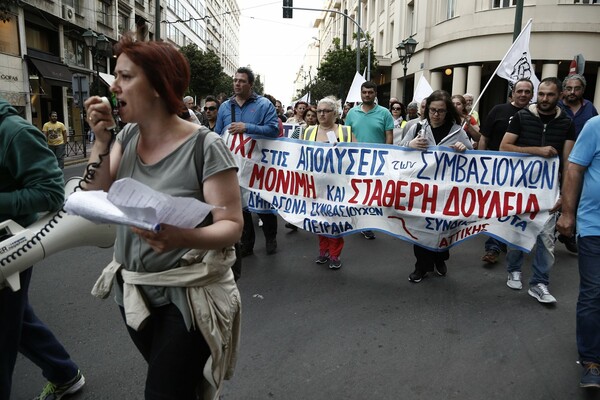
point(371, 123)
point(581, 192)
point(441, 127)
point(327, 130)
point(248, 113)
point(544, 130)
point(492, 132)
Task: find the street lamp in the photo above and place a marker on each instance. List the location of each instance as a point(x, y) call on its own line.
point(406, 49)
point(99, 45)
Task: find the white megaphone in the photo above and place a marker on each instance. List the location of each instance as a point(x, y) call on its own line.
point(52, 233)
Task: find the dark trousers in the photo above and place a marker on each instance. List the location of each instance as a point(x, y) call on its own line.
point(175, 356)
point(59, 152)
point(588, 303)
point(426, 259)
point(269, 228)
point(22, 331)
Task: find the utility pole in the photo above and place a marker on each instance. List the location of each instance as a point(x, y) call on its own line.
point(358, 30)
point(518, 19)
point(156, 20)
point(345, 34)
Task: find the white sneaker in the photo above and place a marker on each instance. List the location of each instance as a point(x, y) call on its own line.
point(541, 293)
point(514, 280)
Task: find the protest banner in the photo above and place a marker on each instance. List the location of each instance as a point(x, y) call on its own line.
point(435, 198)
point(292, 131)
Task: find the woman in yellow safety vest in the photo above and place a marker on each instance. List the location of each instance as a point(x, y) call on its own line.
point(327, 114)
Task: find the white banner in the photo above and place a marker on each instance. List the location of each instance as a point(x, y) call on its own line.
point(435, 198)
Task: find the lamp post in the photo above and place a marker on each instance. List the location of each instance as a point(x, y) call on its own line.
point(406, 49)
point(100, 46)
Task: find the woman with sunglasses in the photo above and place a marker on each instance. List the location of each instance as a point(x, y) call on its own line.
point(330, 248)
point(441, 127)
point(399, 114)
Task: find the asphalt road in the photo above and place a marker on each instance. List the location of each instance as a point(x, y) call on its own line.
point(362, 332)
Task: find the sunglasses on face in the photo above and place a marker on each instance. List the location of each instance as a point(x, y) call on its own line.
point(211, 108)
point(396, 108)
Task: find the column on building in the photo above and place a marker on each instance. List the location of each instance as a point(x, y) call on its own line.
point(549, 69)
point(459, 80)
point(436, 80)
point(474, 82)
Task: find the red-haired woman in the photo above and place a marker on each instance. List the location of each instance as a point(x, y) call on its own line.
point(174, 287)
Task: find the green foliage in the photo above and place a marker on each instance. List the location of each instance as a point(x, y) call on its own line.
point(5, 6)
point(320, 89)
point(258, 86)
point(206, 70)
point(338, 67)
point(224, 85)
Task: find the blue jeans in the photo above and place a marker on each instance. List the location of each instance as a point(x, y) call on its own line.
point(493, 244)
point(543, 255)
point(588, 303)
point(22, 331)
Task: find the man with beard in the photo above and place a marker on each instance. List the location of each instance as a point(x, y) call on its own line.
point(371, 123)
point(580, 110)
point(492, 131)
point(544, 130)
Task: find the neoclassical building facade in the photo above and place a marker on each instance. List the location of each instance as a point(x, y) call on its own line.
point(460, 43)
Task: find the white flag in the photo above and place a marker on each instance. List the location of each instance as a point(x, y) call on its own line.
point(516, 64)
point(423, 90)
point(354, 92)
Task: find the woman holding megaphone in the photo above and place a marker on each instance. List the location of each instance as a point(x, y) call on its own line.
point(182, 304)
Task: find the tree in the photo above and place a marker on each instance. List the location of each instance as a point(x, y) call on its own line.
point(224, 85)
point(205, 68)
point(339, 66)
point(258, 86)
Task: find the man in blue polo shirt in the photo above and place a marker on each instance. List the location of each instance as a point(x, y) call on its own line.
point(371, 123)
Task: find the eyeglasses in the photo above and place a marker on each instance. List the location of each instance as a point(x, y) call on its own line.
point(396, 108)
point(573, 89)
point(437, 111)
point(211, 108)
point(324, 111)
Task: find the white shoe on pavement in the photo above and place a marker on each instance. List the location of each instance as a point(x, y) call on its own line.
point(541, 293)
point(514, 280)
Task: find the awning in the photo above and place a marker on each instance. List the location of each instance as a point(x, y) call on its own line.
point(107, 78)
point(54, 73)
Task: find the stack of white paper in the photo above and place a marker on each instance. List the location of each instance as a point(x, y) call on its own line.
point(129, 202)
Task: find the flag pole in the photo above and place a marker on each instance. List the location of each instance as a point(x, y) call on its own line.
point(499, 64)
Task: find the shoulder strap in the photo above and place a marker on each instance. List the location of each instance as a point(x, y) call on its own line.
point(232, 111)
point(199, 153)
point(128, 134)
